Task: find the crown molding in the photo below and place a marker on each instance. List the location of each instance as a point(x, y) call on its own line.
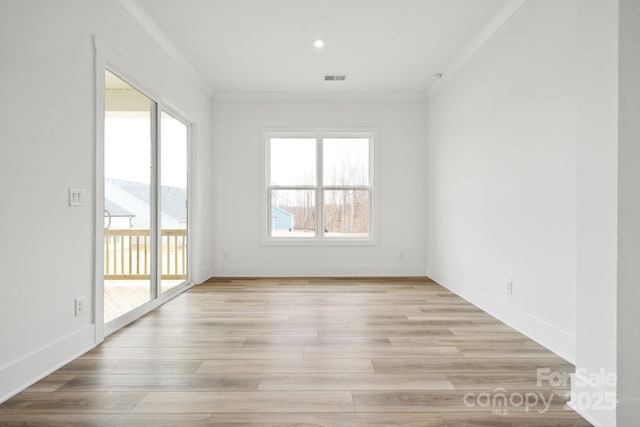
point(499, 18)
point(502, 15)
point(140, 15)
point(321, 96)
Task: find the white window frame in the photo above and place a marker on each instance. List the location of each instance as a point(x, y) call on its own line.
point(319, 239)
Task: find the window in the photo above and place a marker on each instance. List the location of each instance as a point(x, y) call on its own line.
point(319, 186)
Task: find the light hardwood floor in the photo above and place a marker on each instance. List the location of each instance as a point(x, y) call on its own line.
point(305, 352)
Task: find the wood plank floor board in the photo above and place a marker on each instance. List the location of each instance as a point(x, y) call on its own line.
point(489, 331)
point(515, 419)
point(468, 365)
point(509, 352)
point(473, 316)
point(245, 402)
point(161, 382)
point(293, 366)
point(150, 331)
point(51, 383)
point(105, 420)
point(349, 317)
point(438, 308)
point(327, 382)
point(455, 323)
point(328, 420)
point(469, 342)
point(316, 340)
point(363, 352)
point(275, 324)
point(65, 402)
point(361, 303)
point(531, 400)
point(303, 352)
point(385, 332)
point(176, 341)
point(195, 353)
point(115, 366)
point(290, 331)
point(489, 380)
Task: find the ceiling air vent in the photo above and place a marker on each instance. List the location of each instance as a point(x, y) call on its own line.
point(334, 77)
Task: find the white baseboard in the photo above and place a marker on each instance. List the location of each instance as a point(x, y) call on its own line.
point(319, 270)
point(24, 372)
point(590, 401)
point(204, 274)
point(626, 412)
point(558, 341)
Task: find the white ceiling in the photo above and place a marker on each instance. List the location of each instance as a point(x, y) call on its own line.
point(383, 46)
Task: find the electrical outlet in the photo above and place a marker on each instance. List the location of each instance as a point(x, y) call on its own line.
point(508, 286)
point(403, 254)
point(80, 306)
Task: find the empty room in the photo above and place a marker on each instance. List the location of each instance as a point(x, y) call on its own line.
point(348, 212)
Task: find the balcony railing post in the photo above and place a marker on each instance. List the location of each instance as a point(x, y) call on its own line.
point(142, 254)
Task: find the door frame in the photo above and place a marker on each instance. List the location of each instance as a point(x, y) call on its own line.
point(108, 59)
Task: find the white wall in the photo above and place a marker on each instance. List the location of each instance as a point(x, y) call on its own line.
point(628, 339)
point(502, 175)
point(597, 200)
point(47, 144)
point(399, 171)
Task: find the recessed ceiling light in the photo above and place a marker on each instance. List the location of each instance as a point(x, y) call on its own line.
point(318, 43)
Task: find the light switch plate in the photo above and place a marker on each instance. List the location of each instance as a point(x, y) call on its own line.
point(76, 197)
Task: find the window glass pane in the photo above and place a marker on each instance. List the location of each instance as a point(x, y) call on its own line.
point(293, 213)
point(173, 201)
point(127, 198)
point(346, 161)
point(293, 161)
point(346, 213)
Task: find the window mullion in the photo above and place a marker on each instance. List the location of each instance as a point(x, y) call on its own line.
point(319, 185)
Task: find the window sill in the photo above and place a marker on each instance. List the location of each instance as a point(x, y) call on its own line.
point(318, 242)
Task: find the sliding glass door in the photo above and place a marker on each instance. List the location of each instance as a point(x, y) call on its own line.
point(145, 200)
point(128, 192)
point(174, 138)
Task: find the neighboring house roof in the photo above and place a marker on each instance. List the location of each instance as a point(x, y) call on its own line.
point(172, 198)
point(275, 208)
point(116, 210)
